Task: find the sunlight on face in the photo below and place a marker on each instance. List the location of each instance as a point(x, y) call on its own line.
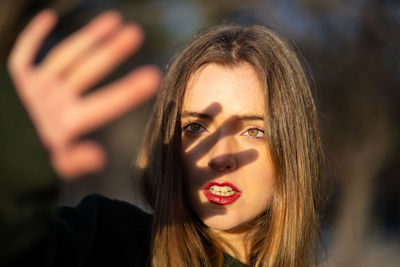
point(229, 174)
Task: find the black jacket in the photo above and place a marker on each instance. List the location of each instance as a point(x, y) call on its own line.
point(98, 232)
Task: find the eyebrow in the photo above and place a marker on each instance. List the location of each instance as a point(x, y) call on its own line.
point(196, 114)
point(209, 117)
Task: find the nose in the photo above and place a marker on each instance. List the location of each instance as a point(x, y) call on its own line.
point(222, 157)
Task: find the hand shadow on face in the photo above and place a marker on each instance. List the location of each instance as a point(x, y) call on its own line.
point(229, 162)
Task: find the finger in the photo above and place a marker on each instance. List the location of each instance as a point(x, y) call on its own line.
point(29, 42)
point(83, 158)
point(116, 99)
point(72, 48)
point(104, 58)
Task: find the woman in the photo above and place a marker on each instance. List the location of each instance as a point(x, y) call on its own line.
point(230, 162)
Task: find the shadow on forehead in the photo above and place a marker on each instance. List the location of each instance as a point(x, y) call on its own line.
point(211, 111)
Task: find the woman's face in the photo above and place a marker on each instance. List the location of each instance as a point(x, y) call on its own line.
point(229, 173)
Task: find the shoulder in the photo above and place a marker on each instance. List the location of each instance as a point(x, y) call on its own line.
point(109, 210)
point(107, 229)
point(97, 232)
point(102, 216)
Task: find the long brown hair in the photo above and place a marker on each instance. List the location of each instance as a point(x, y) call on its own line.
point(286, 235)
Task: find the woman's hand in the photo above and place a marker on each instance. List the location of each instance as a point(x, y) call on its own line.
point(52, 91)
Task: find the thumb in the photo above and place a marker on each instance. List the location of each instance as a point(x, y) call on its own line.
point(78, 159)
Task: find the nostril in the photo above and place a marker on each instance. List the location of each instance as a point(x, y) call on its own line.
point(223, 163)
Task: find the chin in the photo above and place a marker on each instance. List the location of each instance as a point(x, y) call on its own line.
point(222, 222)
point(218, 217)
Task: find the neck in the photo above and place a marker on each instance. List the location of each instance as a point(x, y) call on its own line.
point(236, 242)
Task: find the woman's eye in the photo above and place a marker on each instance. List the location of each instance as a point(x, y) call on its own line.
point(254, 132)
point(193, 128)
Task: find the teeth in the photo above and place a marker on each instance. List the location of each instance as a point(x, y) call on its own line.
point(222, 190)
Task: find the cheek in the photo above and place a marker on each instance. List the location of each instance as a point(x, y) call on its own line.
point(195, 163)
point(192, 172)
point(263, 178)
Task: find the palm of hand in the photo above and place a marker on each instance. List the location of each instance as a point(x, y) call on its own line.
point(52, 91)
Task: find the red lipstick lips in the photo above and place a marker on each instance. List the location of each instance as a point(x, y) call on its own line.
point(221, 193)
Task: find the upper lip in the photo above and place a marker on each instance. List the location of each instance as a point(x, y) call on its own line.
point(209, 184)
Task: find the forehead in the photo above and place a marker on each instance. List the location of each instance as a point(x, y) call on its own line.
point(236, 89)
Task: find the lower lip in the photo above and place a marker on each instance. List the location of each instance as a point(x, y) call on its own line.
point(221, 200)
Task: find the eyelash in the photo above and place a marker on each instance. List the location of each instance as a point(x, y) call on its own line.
point(254, 128)
point(186, 129)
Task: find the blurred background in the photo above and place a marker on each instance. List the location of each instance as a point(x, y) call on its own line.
point(353, 50)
